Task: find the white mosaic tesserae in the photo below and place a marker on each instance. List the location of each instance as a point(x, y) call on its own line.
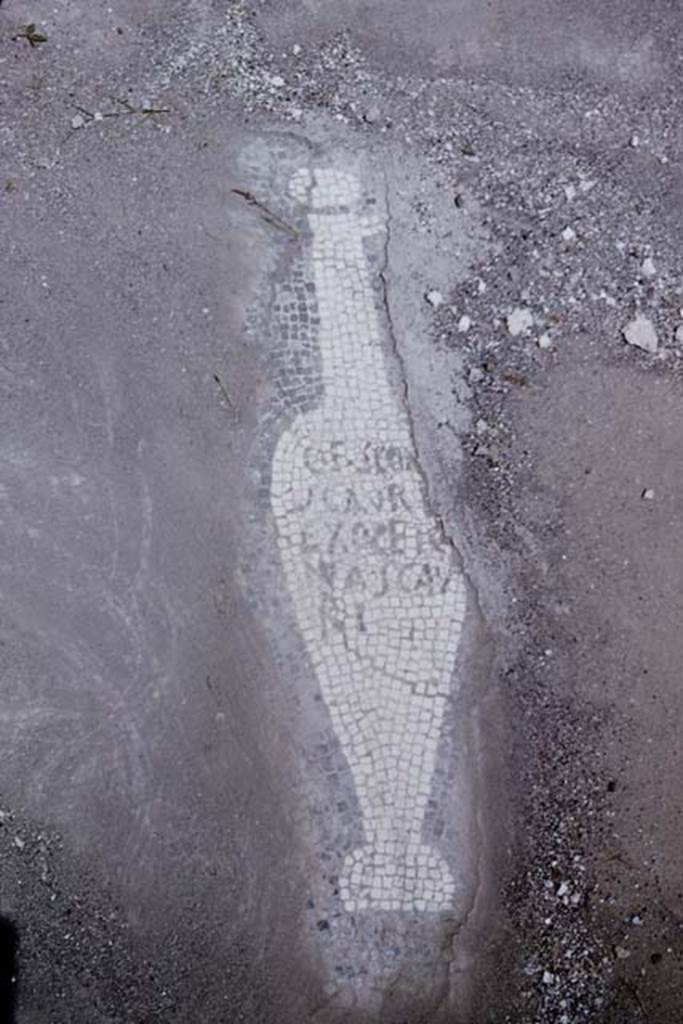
point(378, 597)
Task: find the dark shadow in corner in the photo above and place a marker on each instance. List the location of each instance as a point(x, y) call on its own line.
point(9, 943)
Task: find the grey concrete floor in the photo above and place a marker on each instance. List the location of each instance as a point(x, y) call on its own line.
point(174, 802)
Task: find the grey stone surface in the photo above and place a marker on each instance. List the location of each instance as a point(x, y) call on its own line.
point(175, 803)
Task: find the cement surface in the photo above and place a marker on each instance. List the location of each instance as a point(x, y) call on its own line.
point(177, 801)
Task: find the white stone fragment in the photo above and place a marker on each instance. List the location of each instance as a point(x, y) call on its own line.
point(548, 978)
point(641, 333)
point(569, 235)
point(78, 121)
point(679, 334)
point(570, 192)
point(635, 140)
point(277, 81)
point(519, 321)
point(98, 115)
point(545, 341)
point(648, 494)
point(434, 298)
point(296, 49)
point(647, 267)
point(586, 184)
point(464, 324)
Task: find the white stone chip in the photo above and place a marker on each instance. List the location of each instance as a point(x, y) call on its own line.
point(679, 334)
point(545, 341)
point(569, 234)
point(464, 324)
point(647, 267)
point(519, 321)
point(78, 121)
point(570, 192)
point(434, 298)
point(548, 978)
point(641, 333)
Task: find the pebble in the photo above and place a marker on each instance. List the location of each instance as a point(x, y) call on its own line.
point(434, 298)
point(569, 234)
point(296, 49)
point(372, 115)
point(570, 192)
point(548, 978)
point(277, 81)
point(78, 121)
point(476, 375)
point(648, 494)
point(545, 341)
point(647, 267)
point(519, 321)
point(19, 842)
point(464, 324)
point(679, 334)
point(641, 333)
point(621, 953)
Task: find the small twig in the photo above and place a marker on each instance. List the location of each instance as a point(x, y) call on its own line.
point(30, 34)
point(267, 214)
point(143, 112)
point(633, 991)
point(221, 241)
point(226, 396)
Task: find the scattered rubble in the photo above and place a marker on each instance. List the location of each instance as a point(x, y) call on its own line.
point(641, 333)
point(434, 298)
point(519, 321)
